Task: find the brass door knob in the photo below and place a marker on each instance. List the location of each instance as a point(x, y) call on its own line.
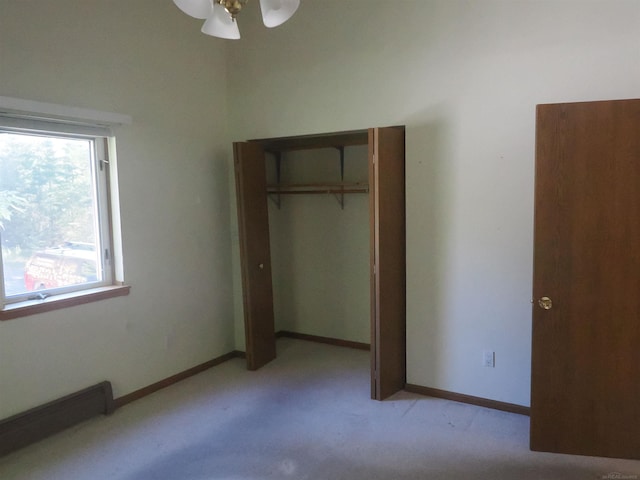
point(261, 266)
point(545, 303)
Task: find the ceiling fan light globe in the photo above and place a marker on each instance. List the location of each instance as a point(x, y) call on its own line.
point(195, 8)
point(276, 12)
point(220, 24)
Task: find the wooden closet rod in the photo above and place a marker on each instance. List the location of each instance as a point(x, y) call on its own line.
point(335, 191)
point(302, 188)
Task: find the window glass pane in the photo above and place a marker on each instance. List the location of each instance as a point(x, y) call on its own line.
point(48, 212)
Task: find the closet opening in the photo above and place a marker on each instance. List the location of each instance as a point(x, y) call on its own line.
point(322, 242)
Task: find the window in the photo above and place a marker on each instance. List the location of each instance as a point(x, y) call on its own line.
point(56, 235)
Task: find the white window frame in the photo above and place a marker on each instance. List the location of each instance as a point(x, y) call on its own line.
point(38, 118)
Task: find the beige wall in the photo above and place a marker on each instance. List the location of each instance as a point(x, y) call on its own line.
point(464, 77)
point(146, 59)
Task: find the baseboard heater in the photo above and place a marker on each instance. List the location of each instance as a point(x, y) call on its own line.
point(28, 427)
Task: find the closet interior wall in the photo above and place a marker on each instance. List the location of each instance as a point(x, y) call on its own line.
point(320, 245)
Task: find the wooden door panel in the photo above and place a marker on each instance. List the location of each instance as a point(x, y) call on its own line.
point(387, 222)
point(585, 396)
point(255, 253)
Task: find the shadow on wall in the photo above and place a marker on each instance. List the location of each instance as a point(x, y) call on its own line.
point(429, 188)
point(221, 167)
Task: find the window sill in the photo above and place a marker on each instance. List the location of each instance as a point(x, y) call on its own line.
point(31, 307)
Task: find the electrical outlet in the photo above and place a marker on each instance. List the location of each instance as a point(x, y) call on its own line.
point(489, 358)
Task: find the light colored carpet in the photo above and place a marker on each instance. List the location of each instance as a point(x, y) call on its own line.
point(305, 416)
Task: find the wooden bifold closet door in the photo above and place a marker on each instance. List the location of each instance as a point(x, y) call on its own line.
point(253, 226)
point(387, 227)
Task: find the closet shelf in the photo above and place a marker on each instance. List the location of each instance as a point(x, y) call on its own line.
point(317, 188)
point(312, 142)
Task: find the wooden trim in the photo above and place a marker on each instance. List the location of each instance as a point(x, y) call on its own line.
point(154, 387)
point(327, 340)
point(470, 399)
point(32, 307)
point(40, 422)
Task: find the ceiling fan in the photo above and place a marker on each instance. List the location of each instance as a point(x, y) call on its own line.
point(221, 15)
